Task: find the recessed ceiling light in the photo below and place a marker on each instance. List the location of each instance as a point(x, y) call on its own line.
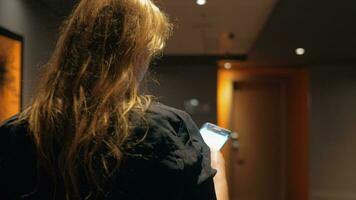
point(227, 65)
point(300, 51)
point(201, 2)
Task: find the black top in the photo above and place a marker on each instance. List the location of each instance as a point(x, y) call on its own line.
point(179, 168)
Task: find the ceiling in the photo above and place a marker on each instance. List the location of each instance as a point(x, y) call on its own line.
point(219, 27)
point(326, 29)
point(268, 31)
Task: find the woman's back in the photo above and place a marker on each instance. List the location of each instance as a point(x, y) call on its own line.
point(164, 158)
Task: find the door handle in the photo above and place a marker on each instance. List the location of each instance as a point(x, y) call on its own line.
point(235, 140)
point(235, 136)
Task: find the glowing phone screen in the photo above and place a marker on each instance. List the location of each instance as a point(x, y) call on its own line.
point(214, 136)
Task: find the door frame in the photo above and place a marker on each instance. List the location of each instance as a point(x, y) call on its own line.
point(297, 172)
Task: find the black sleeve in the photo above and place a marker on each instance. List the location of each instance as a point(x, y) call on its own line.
point(203, 191)
point(199, 171)
point(183, 154)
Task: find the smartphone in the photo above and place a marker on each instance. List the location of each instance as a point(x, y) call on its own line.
point(214, 136)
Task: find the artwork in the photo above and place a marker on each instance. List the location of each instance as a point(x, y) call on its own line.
point(10, 73)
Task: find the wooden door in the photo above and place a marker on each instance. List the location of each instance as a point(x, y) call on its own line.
point(259, 116)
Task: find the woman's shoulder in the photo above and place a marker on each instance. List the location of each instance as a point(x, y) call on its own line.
point(178, 119)
point(161, 126)
point(167, 112)
point(11, 129)
point(175, 131)
point(168, 123)
point(9, 122)
point(13, 134)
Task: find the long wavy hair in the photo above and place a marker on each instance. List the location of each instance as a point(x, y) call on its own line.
point(80, 117)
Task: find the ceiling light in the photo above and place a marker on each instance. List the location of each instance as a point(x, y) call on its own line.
point(201, 2)
point(227, 65)
point(300, 51)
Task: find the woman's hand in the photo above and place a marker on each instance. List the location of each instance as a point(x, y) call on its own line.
point(220, 182)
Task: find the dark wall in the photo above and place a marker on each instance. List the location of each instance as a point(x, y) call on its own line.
point(179, 82)
point(333, 133)
point(38, 25)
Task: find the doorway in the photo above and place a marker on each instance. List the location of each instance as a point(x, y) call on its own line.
point(269, 108)
point(259, 163)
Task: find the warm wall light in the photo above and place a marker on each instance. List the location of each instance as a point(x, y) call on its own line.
point(201, 2)
point(227, 65)
point(300, 51)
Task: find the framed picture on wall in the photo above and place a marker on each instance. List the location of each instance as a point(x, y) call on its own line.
point(11, 59)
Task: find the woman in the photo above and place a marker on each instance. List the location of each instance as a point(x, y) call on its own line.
point(88, 134)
